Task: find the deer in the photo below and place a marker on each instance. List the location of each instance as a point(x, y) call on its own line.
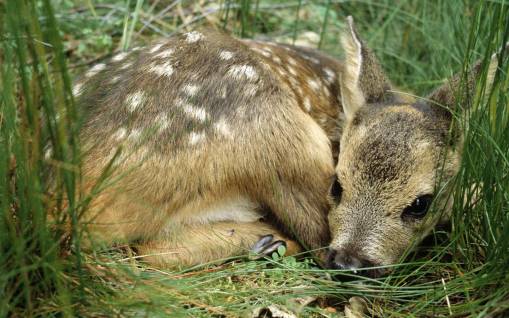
point(218, 146)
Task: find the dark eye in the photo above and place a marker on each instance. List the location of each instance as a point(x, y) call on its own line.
point(336, 190)
point(419, 207)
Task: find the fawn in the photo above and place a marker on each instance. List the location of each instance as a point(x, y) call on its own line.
point(219, 146)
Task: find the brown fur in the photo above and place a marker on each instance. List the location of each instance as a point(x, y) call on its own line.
point(230, 133)
point(216, 142)
point(392, 151)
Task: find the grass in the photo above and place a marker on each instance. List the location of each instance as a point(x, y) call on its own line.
point(461, 272)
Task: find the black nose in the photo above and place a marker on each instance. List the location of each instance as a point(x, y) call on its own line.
point(346, 260)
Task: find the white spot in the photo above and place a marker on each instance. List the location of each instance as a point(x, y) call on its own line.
point(156, 48)
point(76, 90)
point(126, 65)
point(267, 48)
point(295, 82)
point(250, 89)
point(165, 54)
point(281, 71)
point(115, 79)
point(165, 69)
point(264, 52)
point(226, 55)
point(312, 59)
point(292, 61)
point(307, 104)
point(195, 138)
point(197, 112)
point(134, 135)
point(276, 59)
point(48, 152)
point(331, 76)
point(314, 84)
point(120, 134)
point(134, 101)
point(292, 71)
point(162, 121)
point(194, 36)
point(243, 71)
point(96, 69)
point(222, 92)
point(223, 128)
point(299, 91)
point(119, 57)
point(190, 89)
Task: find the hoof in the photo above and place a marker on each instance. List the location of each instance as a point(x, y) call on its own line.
point(265, 247)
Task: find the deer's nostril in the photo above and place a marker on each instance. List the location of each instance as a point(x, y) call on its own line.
point(345, 260)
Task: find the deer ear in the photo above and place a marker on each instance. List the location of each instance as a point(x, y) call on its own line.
point(362, 80)
point(457, 93)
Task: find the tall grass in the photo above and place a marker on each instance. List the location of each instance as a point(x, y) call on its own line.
point(37, 114)
point(462, 272)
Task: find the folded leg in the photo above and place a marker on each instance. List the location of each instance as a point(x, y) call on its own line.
point(202, 243)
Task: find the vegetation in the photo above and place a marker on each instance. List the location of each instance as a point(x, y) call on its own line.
point(44, 44)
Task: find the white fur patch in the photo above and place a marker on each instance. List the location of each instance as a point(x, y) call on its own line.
point(77, 89)
point(164, 69)
point(162, 121)
point(222, 92)
point(190, 89)
point(292, 71)
point(134, 135)
point(134, 100)
point(156, 48)
point(96, 69)
point(120, 134)
point(307, 104)
point(196, 112)
point(311, 59)
point(265, 51)
point(243, 72)
point(223, 128)
point(250, 89)
point(193, 36)
point(225, 55)
point(165, 54)
point(314, 84)
point(48, 152)
point(195, 138)
point(119, 57)
point(115, 79)
point(330, 75)
point(126, 66)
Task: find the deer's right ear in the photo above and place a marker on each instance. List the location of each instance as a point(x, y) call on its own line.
point(461, 87)
point(362, 80)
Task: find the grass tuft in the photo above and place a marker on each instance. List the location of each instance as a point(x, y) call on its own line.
point(461, 272)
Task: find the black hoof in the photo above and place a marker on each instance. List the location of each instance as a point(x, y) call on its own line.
point(265, 247)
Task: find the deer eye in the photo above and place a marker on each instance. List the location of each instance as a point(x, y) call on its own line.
point(336, 190)
point(419, 207)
